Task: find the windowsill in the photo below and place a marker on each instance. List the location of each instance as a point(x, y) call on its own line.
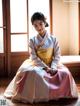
point(71, 60)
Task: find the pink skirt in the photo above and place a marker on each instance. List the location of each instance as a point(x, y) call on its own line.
point(33, 84)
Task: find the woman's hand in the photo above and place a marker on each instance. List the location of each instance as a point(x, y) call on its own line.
point(50, 70)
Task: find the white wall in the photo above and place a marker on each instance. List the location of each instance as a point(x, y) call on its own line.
point(74, 30)
point(65, 26)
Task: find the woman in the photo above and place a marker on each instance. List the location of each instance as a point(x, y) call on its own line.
point(41, 77)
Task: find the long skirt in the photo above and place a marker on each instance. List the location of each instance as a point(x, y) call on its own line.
point(33, 84)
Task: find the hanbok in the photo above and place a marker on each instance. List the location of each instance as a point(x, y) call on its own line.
point(32, 83)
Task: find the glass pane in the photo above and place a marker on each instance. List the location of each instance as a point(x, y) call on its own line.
point(1, 19)
point(38, 7)
point(18, 15)
point(19, 43)
point(1, 40)
point(1, 30)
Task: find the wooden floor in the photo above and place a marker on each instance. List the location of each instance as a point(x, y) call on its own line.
point(61, 102)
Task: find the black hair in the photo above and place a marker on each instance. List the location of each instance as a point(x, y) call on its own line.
point(39, 16)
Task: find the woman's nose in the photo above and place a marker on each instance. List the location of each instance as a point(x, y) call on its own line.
point(39, 27)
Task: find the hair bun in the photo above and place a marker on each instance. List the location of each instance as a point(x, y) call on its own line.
point(46, 24)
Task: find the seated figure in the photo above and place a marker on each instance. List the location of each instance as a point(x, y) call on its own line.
point(41, 77)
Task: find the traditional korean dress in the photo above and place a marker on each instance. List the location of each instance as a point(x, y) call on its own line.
point(32, 83)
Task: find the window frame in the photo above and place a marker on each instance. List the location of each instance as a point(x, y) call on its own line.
point(50, 11)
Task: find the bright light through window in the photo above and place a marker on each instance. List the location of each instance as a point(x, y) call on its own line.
point(1, 20)
point(18, 13)
point(1, 29)
point(19, 43)
point(38, 6)
point(1, 40)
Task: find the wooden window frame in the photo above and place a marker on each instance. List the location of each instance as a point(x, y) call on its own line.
point(79, 27)
point(8, 56)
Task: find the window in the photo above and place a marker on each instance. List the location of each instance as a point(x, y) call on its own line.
point(19, 24)
point(1, 28)
point(18, 13)
point(15, 31)
point(38, 6)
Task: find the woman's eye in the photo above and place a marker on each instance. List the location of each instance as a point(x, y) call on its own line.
point(41, 23)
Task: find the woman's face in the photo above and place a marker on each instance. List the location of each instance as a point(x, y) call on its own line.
point(39, 25)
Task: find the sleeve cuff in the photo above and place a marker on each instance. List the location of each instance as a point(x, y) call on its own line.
point(54, 67)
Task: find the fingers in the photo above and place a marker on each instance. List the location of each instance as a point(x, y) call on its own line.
point(52, 72)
